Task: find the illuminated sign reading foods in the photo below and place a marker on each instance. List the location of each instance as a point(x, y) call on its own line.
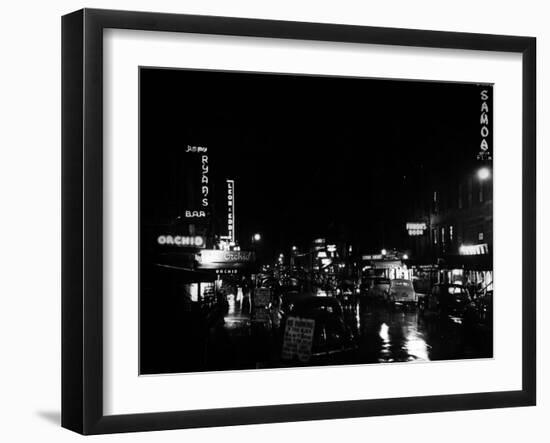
point(415, 229)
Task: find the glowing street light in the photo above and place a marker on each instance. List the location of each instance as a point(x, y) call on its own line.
point(257, 237)
point(405, 257)
point(483, 173)
point(294, 248)
point(384, 252)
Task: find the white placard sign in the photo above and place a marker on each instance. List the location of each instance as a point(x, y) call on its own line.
point(298, 339)
point(262, 298)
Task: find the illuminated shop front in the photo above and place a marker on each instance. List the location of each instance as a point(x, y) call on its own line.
point(473, 266)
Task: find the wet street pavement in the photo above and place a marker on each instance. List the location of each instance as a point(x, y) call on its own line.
point(386, 335)
point(381, 334)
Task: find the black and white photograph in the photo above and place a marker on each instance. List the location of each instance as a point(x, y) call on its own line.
point(291, 220)
point(281, 221)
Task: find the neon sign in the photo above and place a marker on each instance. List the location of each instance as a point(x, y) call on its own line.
point(181, 241)
point(204, 182)
point(480, 249)
point(416, 229)
point(231, 209)
point(484, 153)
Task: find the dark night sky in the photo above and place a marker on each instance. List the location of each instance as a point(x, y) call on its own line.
point(311, 156)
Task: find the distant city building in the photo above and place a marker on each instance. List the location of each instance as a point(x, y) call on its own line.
point(451, 226)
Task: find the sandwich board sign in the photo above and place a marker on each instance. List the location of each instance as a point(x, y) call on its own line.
point(298, 339)
point(262, 298)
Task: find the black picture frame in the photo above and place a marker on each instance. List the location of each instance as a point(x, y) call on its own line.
point(82, 215)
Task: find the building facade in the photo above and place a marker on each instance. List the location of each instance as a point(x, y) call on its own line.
point(451, 229)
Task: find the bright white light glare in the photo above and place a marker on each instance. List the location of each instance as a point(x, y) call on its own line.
point(480, 249)
point(483, 173)
point(294, 248)
point(384, 332)
point(384, 252)
point(257, 237)
point(405, 257)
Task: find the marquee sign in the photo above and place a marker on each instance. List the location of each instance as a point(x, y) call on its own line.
point(480, 249)
point(218, 259)
point(372, 257)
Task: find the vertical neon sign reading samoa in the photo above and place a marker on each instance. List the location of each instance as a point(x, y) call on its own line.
point(484, 121)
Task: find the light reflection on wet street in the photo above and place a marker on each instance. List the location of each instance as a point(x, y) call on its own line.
point(386, 335)
point(381, 334)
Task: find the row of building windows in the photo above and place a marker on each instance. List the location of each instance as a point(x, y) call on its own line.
point(443, 235)
point(465, 195)
point(446, 235)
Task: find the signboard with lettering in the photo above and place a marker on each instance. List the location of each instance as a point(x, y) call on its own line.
point(218, 259)
point(231, 209)
point(485, 124)
point(416, 228)
point(198, 198)
point(298, 339)
point(480, 249)
point(182, 241)
point(387, 264)
point(372, 257)
point(262, 299)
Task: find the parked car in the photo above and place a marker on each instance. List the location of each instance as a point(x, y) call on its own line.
point(375, 288)
point(450, 301)
point(484, 306)
point(289, 284)
point(347, 294)
point(333, 339)
point(402, 293)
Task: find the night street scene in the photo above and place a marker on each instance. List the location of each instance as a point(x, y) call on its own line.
point(296, 220)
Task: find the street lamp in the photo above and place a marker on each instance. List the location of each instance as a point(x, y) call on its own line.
point(384, 252)
point(294, 248)
point(483, 173)
point(255, 239)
